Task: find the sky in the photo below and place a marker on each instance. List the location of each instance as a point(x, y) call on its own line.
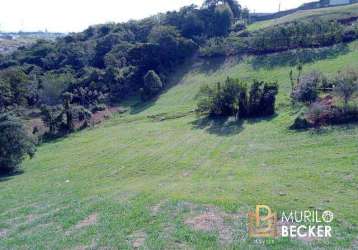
point(77, 15)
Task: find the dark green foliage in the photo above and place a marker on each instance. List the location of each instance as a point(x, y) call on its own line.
point(67, 99)
point(107, 63)
point(52, 85)
point(262, 98)
point(232, 99)
point(52, 117)
point(152, 85)
point(234, 6)
point(15, 144)
point(283, 37)
point(298, 34)
point(220, 21)
point(300, 122)
point(13, 86)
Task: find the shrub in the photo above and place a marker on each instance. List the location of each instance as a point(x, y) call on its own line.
point(262, 98)
point(15, 144)
point(152, 85)
point(232, 99)
point(306, 89)
point(319, 114)
point(222, 100)
point(346, 85)
point(300, 122)
point(52, 116)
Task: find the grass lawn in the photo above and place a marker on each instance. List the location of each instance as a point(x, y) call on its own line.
point(136, 181)
point(330, 13)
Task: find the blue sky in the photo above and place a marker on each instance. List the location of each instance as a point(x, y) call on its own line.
point(76, 15)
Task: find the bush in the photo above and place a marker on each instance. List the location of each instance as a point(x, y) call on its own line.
point(307, 88)
point(152, 85)
point(300, 122)
point(232, 99)
point(52, 116)
point(319, 114)
point(222, 100)
point(324, 113)
point(346, 85)
point(15, 144)
point(262, 98)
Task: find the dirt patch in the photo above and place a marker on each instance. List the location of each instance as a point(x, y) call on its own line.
point(92, 246)
point(90, 220)
point(137, 239)
point(154, 210)
point(208, 221)
point(348, 177)
point(3, 233)
point(213, 220)
point(100, 116)
point(355, 244)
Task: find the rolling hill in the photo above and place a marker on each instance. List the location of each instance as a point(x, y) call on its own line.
point(153, 177)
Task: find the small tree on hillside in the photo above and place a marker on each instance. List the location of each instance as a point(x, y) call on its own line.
point(307, 86)
point(67, 99)
point(346, 86)
point(152, 85)
point(15, 144)
point(52, 117)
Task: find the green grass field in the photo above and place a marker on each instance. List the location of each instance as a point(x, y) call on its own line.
point(135, 181)
point(325, 13)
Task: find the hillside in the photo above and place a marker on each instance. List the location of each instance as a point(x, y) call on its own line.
point(331, 13)
point(139, 178)
point(161, 177)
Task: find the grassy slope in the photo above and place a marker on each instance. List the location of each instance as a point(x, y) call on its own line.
point(328, 13)
point(119, 170)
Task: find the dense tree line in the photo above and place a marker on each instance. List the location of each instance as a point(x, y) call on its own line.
point(293, 35)
point(106, 63)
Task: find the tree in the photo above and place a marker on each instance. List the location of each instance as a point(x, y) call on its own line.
point(346, 86)
point(52, 85)
point(13, 83)
point(235, 7)
point(15, 144)
point(52, 117)
point(218, 20)
point(152, 85)
point(306, 89)
point(67, 99)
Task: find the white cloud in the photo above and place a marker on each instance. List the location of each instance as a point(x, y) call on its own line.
point(76, 15)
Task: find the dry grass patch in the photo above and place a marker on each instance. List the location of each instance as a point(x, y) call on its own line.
point(90, 220)
point(137, 239)
point(213, 220)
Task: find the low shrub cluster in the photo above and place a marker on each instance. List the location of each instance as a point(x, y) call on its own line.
point(234, 98)
point(328, 101)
